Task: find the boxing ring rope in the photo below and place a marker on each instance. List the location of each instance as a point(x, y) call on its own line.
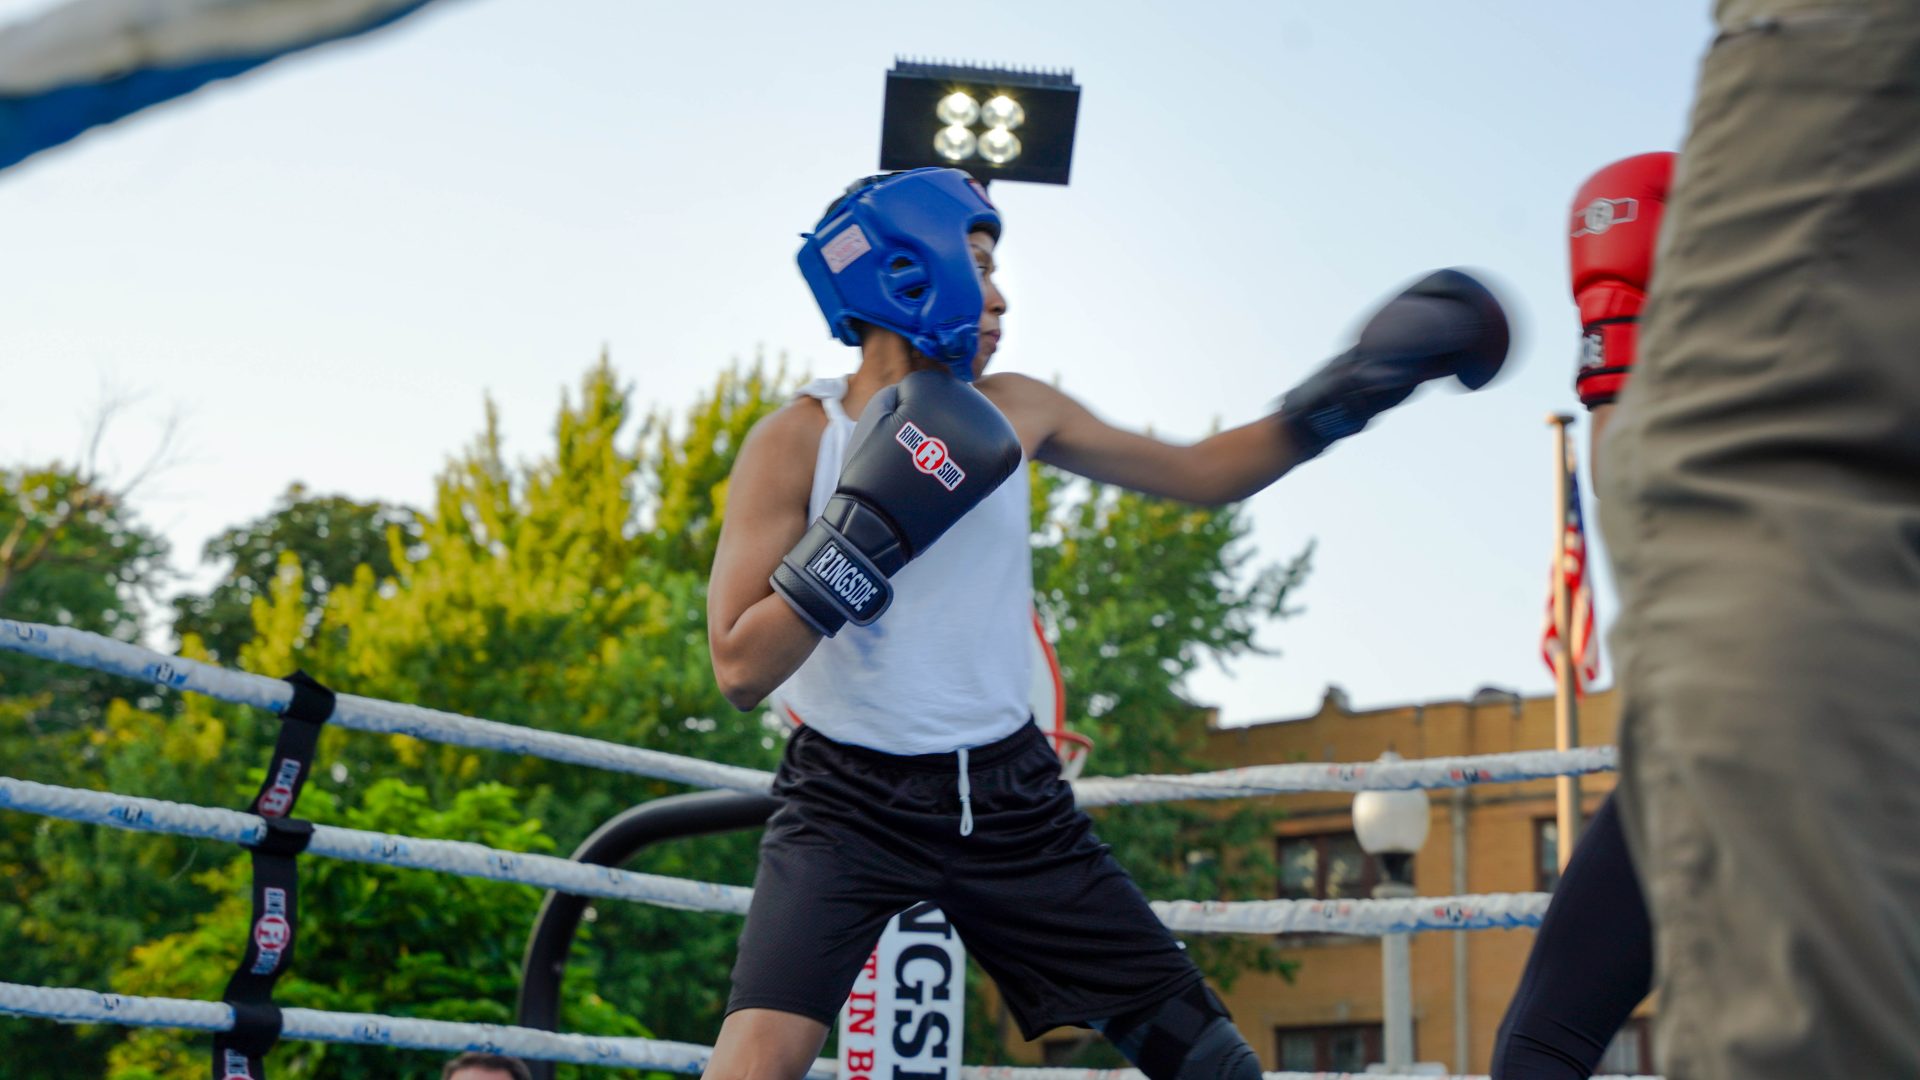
point(382, 849)
point(1258, 780)
point(88, 650)
point(564, 875)
point(83, 649)
point(403, 1033)
point(1494, 911)
point(400, 1033)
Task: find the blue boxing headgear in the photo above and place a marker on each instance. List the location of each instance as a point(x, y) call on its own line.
point(893, 252)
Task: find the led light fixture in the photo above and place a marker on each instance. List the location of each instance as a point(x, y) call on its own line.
point(965, 117)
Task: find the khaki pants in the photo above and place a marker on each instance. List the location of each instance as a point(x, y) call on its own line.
point(1761, 499)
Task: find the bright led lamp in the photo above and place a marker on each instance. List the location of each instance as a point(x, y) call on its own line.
point(958, 110)
point(999, 146)
point(955, 143)
point(1002, 111)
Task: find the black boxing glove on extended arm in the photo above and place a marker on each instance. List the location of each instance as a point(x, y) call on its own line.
point(927, 450)
point(1447, 323)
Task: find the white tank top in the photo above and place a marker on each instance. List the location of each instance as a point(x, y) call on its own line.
point(949, 665)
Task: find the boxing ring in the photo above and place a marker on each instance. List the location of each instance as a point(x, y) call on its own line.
point(592, 873)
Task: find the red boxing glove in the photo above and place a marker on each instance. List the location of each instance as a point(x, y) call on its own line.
point(1616, 223)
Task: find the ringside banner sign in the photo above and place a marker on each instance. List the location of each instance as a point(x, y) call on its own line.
point(905, 1016)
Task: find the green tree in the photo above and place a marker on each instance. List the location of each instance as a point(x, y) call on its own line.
point(329, 536)
point(375, 940)
point(399, 942)
point(72, 553)
point(559, 594)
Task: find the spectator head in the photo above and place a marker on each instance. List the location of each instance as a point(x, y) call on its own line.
point(477, 1066)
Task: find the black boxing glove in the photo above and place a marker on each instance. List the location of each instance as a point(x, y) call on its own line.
point(926, 451)
point(1447, 323)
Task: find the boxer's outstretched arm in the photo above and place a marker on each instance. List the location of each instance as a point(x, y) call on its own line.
point(1221, 468)
point(755, 638)
point(1447, 324)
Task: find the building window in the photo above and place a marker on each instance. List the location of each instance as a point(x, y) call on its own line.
point(1631, 1051)
point(1328, 866)
point(1546, 854)
point(1329, 1048)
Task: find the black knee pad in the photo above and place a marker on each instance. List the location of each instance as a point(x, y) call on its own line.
point(1220, 1054)
point(1186, 1037)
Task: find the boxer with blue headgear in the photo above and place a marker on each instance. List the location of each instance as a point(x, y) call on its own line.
point(894, 252)
point(878, 577)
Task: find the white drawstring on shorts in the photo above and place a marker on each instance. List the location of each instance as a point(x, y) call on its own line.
point(966, 797)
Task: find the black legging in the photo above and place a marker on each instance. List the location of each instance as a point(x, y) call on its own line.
point(1591, 964)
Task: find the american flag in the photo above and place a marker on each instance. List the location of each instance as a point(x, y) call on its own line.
point(1573, 564)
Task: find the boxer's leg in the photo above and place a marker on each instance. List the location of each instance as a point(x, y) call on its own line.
point(1591, 964)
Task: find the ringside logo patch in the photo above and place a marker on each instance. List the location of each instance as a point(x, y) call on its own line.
point(840, 251)
point(930, 455)
point(1602, 214)
point(278, 798)
point(272, 933)
point(1593, 350)
point(844, 577)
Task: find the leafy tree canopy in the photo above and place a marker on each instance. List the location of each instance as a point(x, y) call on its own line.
point(328, 536)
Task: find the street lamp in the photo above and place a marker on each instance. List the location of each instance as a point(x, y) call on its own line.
point(997, 123)
point(1392, 827)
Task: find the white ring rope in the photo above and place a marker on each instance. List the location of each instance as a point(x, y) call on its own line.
point(90, 650)
point(1257, 780)
point(78, 647)
point(398, 1032)
point(1496, 911)
point(384, 849)
point(446, 1036)
point(583, 879)
point(88, 1007)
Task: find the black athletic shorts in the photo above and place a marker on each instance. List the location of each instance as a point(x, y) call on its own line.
point(1037, 898)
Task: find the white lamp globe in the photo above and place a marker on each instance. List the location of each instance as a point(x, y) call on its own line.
point(1391, 822)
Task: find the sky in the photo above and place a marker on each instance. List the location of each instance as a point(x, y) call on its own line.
point(320, 273)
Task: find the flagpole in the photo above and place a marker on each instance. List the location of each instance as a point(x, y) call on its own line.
point(1566, 708)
